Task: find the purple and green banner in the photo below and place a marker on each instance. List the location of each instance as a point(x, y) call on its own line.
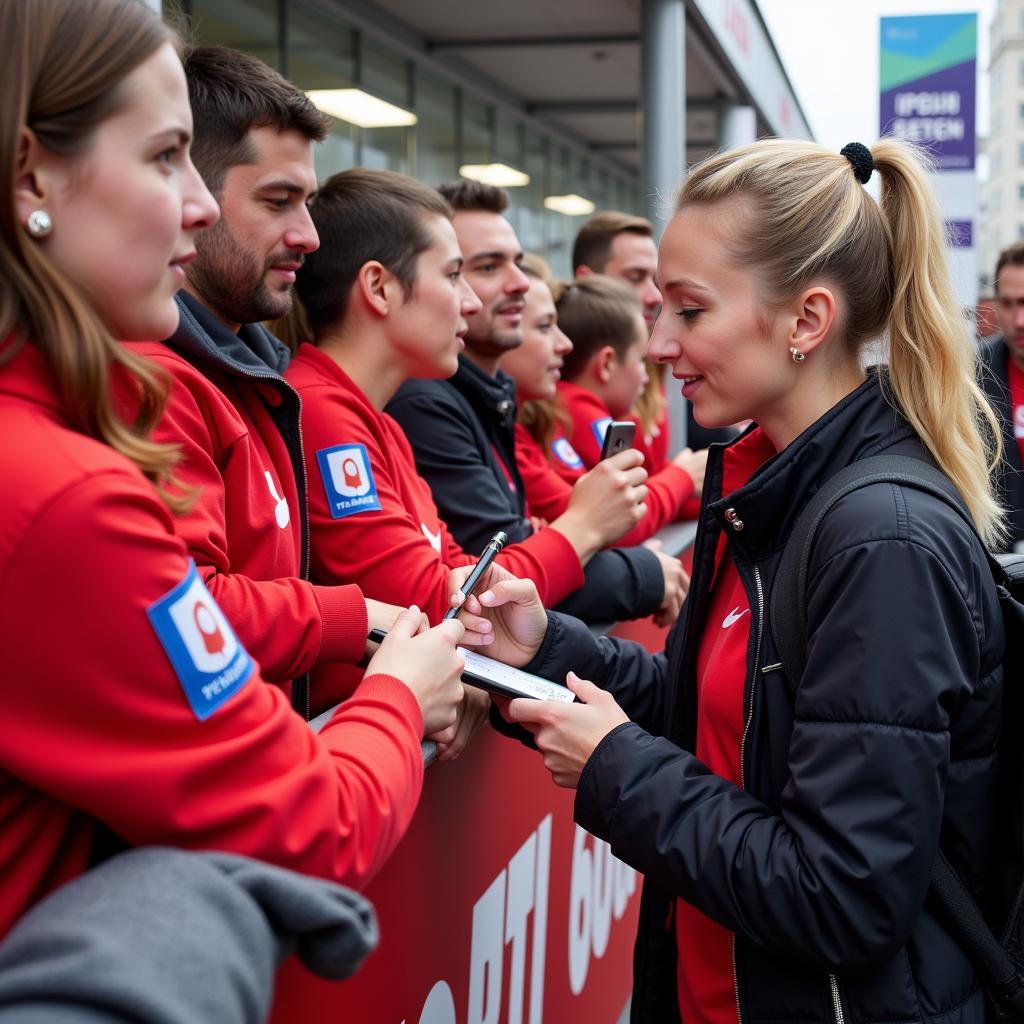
point(928, 75)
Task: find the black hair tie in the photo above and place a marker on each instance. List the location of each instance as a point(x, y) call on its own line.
point(861, 159)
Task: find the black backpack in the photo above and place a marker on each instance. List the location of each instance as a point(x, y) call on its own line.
point(992, 934)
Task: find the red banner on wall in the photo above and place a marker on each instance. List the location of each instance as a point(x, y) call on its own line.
point(495, 909)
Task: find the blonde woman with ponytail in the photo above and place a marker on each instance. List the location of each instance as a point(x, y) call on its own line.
point(787, 828)
point(128, 700)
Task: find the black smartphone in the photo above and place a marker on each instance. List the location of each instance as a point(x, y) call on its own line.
point(618, 437)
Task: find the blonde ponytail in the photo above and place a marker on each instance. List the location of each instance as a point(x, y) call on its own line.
point(932, 365)
point(812, 219)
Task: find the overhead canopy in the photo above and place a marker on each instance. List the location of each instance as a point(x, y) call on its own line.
point(576, 64)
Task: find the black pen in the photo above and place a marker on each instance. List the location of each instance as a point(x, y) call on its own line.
point(496, 543)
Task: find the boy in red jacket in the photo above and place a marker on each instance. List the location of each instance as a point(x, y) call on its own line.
point(386, 302)
point(604, 373)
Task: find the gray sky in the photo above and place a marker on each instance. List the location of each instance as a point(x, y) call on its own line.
point(830, 51)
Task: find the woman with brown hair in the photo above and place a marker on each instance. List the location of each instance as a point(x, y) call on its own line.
point(128, 700)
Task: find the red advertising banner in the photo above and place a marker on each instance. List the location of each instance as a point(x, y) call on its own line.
point(495, 909)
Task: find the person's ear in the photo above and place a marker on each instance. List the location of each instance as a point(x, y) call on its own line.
point(373, 285)
point(812, 317)
point(584, 271)
point(33, 185)
point(606, 362)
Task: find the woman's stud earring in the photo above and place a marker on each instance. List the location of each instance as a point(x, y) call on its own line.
point(39, 224)
point(798, 356)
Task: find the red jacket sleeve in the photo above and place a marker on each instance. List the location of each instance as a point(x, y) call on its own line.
point(287, 624)
point(667, 495)
point(100, 720)
point(547, 494)
point(386, 550)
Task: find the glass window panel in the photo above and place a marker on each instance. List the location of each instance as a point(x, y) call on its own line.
point(384, 73)
point(436, 157)
point(508, 140)
point(322, 55)
point(387, 75)
point(528, 202)
point(249, 25)
point(386, 149)
point(477, 131)
point(321, 50)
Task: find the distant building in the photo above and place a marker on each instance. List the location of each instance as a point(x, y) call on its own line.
point(1002, 196)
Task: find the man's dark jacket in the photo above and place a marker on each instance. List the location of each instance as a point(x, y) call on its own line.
point(459, 429)
point(819, 864)
point(995, 380)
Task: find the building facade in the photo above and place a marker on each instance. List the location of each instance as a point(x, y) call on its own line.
point(1002, 220)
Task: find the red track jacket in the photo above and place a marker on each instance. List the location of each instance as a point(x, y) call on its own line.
point(245, 529)
point(129, 700)
point(390, 539)
point(548, 492)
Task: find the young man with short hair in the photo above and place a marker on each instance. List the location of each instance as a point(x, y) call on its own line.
point(621, 245)
point(1002, 357)
point(386, 301)
point(462, 430)
point(230, 411)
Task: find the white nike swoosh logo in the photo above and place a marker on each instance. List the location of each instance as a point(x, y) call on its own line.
point(434, 538)
point(734, 616)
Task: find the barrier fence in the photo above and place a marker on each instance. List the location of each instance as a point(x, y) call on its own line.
point(496, 908)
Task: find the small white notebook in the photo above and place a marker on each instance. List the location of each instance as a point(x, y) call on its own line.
point(497, 677)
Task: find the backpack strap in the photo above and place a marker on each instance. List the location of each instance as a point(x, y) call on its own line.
point(950, 898)
point(788, 603)
point(955, 907)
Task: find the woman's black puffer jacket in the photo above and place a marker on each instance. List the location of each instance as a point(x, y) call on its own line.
point(820, 863)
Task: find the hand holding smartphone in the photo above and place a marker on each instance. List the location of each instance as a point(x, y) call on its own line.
point(618, 437)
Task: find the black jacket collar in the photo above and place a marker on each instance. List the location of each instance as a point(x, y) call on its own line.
point(493, 398)
point(862, 424)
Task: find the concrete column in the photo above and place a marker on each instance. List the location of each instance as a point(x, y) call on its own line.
point(737, 126)
point(663, 60)
point(663, 63)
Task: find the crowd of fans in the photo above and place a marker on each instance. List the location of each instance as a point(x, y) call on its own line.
point(250, 417)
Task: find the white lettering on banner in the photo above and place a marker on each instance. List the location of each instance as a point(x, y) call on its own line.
point(599, 891)
point(1018, 421)
point(501, 918)
point(927, 104)
point(439, 1007)
point(224, 680)
point(927, 129)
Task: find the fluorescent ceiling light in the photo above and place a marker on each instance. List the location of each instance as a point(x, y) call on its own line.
point(499, 175)
point(360, 108)
point(571, 205)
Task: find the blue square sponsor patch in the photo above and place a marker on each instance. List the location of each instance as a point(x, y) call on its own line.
point(348, 480)
point(207, 657)
point(566, 454)
point(600, 428)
